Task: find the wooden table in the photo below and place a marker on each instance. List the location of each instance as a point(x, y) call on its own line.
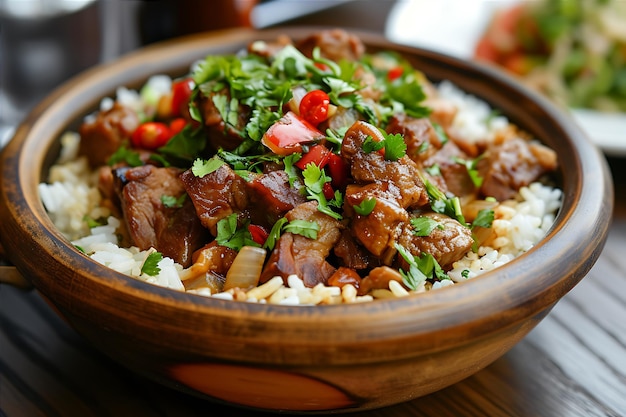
point(572, 364)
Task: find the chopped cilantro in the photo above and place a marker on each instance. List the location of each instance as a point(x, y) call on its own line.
point(471, 167)
point(123, 154)
point(433, 170)
point(484, 218)
point(91, 222)
point(424, 225)
point(441, 134)
point(170, 201)
point(421, 268)
point(370, 145)
point(201, 167)
point(151, 264)
point(304, 228)
point(366, 206)
point(232, 236)
point(314, 180)
point(440, 203)
point(274, 234)
point(395, 146)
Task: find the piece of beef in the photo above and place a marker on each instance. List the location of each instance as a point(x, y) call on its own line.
point(221, 135)
point(103, 134)
point(353, 255)
point(446, 244)
point(174, 231)
point(373, 167)
point(419, 135)
point(513, 164)
point(378, 230)
point(302, 256)
point(334, 44)
point(271, 196)
point(216, 195)
point(453, 176)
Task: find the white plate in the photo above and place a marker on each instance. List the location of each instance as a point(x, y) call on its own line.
point(453, 27)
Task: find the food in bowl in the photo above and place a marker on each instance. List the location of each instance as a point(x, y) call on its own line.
point(308, 172)
point(573, 51)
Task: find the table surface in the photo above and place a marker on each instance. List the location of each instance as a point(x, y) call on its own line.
point(572, 364)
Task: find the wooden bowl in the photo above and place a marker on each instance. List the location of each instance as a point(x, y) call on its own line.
point(335, 358)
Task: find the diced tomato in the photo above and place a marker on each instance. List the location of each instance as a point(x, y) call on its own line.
point(395, 73)
point(289, 133)
point(177, 125)
point(151, 135)
point(314, 107)
point(338, 169)
point(317, 154)
point(181, 92)
point(258, 233)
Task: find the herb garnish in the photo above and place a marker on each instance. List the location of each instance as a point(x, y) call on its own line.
point(151, 264)
point(365, 207)
point(421, 268)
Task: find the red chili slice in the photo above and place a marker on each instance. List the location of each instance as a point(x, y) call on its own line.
point(314, 107)
point(258, 233)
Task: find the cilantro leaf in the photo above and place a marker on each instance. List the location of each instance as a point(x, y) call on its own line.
point(366, 206)
point(424, 225)
point(170, 201)
point(314, 180)
point(421, 268)
point(395, 146)
point(472, 169)
point(274, 234)
point(201, 167)
point(232, 236)
point(304, 228)
point(123, 154)
point(484, 218)
point(440, 203)
point(441, 134)
point(151, 264)
point(370, 145)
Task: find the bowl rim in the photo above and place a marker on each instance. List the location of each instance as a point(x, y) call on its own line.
point(586, 211)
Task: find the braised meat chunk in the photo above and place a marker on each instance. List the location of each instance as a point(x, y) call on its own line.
point(216, 195)
point(447, 243)
point(302, 256)
point(271, 196)
point(514, 164)
point(102, 135)
point(172, 229)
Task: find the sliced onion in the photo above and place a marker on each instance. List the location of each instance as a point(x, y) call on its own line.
point(246, 268)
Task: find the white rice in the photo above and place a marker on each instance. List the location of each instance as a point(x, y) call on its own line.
point(71, 195)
